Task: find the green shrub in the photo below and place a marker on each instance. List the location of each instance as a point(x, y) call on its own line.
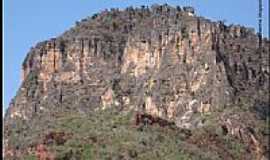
point(87, 152)
point(30, 157)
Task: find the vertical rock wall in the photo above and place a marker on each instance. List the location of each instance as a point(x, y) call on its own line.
point(162, 60)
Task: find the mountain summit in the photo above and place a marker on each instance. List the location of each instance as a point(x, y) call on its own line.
point(143, 83)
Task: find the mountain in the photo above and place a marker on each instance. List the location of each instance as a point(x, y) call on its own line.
point(143, 83)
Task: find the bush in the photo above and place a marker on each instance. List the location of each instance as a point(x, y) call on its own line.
point(30, 157)
point(87, 153)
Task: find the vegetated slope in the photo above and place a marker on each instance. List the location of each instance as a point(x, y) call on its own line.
point(110, 134)
point(143, 84)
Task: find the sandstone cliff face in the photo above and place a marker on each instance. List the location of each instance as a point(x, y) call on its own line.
point(164, 61)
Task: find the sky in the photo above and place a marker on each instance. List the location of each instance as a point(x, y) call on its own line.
point(27, 22)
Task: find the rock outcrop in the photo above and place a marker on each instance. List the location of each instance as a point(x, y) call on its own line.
point(164, 61)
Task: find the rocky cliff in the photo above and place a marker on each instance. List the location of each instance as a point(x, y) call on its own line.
point(161, 61)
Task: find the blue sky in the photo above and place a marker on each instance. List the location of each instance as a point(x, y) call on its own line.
point(27, 22)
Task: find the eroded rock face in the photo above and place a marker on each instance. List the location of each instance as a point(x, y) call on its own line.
point(185, 63)
point(164, 61)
